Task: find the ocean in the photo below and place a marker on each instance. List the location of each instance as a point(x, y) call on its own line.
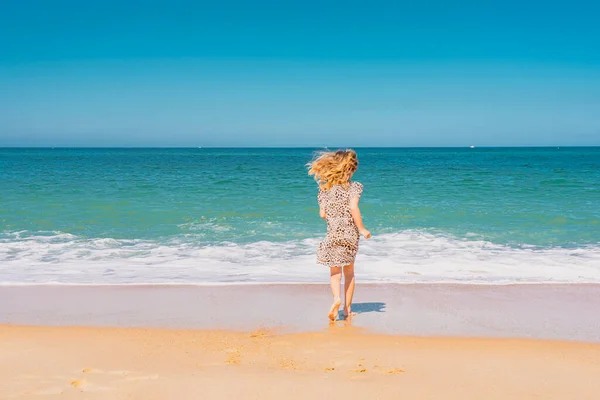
point(210, 216)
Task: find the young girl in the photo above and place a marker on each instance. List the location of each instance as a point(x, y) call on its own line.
point(338, 202)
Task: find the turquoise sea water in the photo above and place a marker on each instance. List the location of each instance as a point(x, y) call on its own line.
point(226, 215)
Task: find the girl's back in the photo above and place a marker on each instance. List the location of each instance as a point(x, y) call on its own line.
point(336, 201)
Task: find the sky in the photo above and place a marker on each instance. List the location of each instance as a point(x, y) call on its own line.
point(291, 73)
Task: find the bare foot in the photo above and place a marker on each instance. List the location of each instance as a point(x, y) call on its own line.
point(335, 307)
point(348, 313)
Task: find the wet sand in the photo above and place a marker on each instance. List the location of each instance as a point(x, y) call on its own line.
point(561, 312)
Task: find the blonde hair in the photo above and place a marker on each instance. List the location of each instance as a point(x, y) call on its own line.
point(333, 168)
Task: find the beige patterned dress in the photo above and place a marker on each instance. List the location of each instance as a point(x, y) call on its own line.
point(339, 247)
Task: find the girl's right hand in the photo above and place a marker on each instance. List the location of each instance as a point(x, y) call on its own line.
point(366, 234)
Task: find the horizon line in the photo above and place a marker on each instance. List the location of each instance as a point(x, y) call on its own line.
point(299, 147)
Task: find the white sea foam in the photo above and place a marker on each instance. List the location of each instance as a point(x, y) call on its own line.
point(409, 256)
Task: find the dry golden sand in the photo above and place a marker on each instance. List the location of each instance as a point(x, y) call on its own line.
point(124, 363)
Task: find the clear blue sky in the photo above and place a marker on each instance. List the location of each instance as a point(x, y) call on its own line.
point(291, 73)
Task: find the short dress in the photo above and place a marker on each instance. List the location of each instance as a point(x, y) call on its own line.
point(340, 246)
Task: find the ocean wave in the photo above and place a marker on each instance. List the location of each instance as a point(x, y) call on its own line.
point(405, 257)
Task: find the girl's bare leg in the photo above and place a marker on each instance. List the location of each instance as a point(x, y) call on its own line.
point(348, 289)
point(335, 279)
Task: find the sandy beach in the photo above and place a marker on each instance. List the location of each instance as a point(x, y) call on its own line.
point(127, 363)
point(407, 341)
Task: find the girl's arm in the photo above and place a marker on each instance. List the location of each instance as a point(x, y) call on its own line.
point(321, 206)
point(355, 211)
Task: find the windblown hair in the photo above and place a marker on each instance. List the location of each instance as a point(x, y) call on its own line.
point(333, 168)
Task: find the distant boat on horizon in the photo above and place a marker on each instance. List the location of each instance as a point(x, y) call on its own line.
point(472, 147)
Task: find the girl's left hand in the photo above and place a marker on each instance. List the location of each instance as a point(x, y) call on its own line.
point(365, 233)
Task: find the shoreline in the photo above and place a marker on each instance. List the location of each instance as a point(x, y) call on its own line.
point(553, 312)
point(284, 283)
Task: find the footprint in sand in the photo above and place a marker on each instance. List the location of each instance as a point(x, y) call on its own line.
point(388, 371)
point(106, 378)
point(234, 357)
point(78, 383)
point(360, 368)
point(260, 334)
point(288, 364)
point(395, 371)
point(85, 386)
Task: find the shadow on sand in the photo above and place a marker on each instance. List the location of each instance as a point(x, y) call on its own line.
point(362, 308)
